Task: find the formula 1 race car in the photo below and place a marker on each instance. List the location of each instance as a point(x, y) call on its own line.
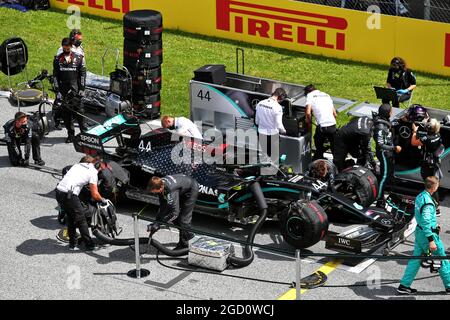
point(303, 205)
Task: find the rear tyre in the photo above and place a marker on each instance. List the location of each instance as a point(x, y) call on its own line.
point(359, 184)
point(304, 224)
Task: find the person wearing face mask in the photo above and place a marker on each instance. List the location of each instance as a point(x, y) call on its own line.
point(76, 37)
point(401, 79)
point(182, 125)
point(69, 74)
point(19, 131)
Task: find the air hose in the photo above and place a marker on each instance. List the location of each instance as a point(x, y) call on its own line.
point(248, 256)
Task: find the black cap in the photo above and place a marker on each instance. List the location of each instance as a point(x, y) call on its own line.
point(384, 111)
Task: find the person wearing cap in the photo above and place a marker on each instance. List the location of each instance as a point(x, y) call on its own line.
point(321, 105)
point(432, 149)
point(67, 195)
point(269, 119)
point(17, 132)
point(385, 148)
point(183, 126)
point(402, 79)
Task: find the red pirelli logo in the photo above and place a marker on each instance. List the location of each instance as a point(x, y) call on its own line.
point(281, 24)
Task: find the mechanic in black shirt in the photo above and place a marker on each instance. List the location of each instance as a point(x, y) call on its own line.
point(69, 73)
point(323, 170)
point(401, 79)
point(385, 148)
point(354, 138)
point(177, 196)
point(432, 149)
point(18, 131)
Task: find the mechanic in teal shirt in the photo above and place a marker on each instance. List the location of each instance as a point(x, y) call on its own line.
point(427, 238)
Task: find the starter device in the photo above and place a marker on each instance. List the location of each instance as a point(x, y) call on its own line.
point(210, 253)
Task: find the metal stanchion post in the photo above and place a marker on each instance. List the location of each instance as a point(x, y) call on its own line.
point(138, 272)
point(298, 274)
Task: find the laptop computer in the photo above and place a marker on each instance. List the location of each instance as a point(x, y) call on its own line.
point(387, 94)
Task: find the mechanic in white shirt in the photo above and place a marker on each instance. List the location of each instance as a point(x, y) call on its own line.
point(321, 106)
point(67, 192)
point(269, 119)
point(182, 125)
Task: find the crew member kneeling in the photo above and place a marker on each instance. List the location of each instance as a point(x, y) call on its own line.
point(18, 131)
point(67, 195)
point(177, 196)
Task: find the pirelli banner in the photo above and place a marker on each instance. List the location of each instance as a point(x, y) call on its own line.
point(297, 26)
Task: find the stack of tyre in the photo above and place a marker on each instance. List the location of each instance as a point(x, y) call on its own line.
point(142, 56)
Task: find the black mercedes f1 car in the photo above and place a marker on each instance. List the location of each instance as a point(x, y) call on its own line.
point(303, 205)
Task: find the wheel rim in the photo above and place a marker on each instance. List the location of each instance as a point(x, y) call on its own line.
point(294, 227)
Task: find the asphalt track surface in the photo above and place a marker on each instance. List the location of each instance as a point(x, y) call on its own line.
point(35, 265)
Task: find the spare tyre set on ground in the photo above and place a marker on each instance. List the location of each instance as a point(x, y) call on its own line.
point(305, 222)
point(143, 57)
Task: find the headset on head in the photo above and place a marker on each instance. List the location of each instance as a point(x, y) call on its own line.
point(398, 64)
point(73, 35)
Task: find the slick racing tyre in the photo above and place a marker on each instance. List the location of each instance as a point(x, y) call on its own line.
point(136, 55)
point(304, 224)
point(142, 26)
point(147, 81)
point(358, 183)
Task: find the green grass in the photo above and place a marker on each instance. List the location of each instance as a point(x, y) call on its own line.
point(184, 52)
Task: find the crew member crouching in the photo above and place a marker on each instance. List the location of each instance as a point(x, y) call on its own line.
point(177, 196)
point(19, 131)
point(67, 195)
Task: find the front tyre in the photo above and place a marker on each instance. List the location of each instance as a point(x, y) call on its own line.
point(304, 224)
